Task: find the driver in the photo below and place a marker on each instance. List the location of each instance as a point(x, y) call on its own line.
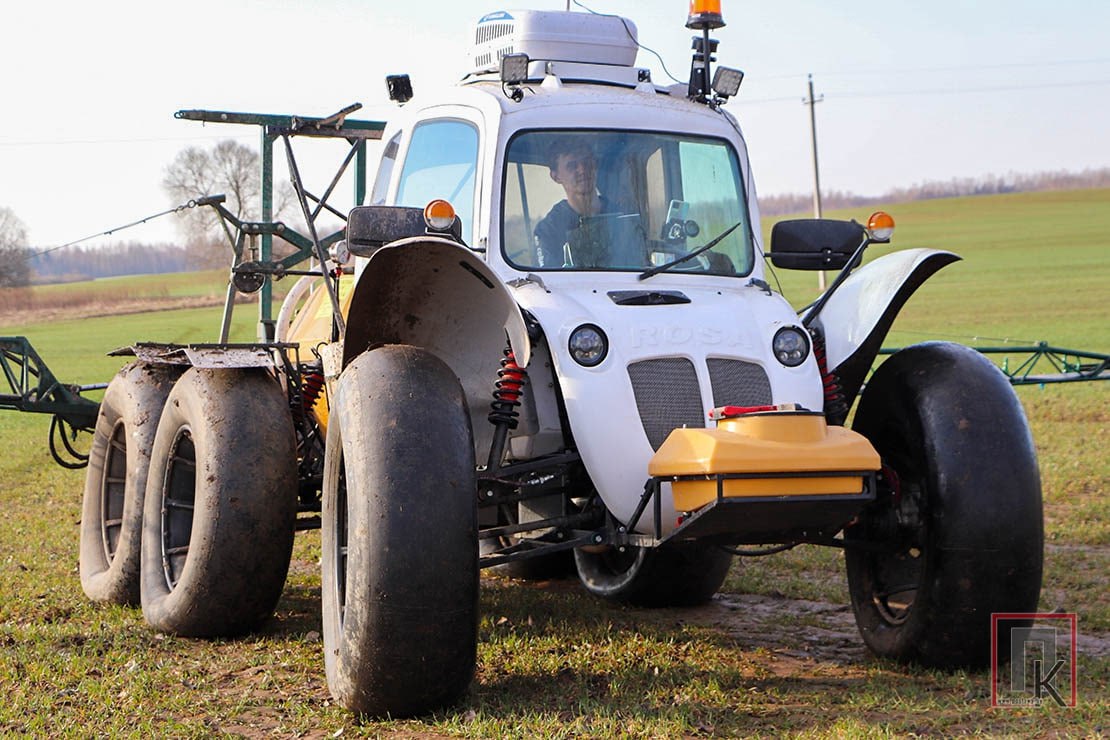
point(573, 165)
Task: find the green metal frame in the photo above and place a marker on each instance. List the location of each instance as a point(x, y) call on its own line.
point(35, 389)
point(1064, 365)
point(284, 127)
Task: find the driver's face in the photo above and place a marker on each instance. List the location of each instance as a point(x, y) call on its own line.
point(576, 172)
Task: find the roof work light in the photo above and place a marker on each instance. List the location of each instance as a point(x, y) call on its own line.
point(704, 15)
point(726, 81)
point(399, 87)
point(514, 68)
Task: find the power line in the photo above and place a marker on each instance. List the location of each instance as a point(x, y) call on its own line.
point(963, 90)
point(955, 68)
point(177, 209)
point(936, 91)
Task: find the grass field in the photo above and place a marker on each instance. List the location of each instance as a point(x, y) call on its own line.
point(775, 654)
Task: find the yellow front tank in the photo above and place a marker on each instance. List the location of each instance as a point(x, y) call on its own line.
point(765, 445)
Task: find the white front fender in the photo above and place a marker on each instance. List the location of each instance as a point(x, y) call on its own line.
point(858, 316)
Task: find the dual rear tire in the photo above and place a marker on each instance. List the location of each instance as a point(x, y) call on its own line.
point(190, 498)
point(221, 504)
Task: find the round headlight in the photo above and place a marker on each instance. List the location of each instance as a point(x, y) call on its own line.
point(791, 346)
point(588, 345)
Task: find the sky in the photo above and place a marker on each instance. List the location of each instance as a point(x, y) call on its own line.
point(911, 90)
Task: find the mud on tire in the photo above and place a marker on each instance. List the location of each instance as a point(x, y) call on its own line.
point(400, 553)
point(221, 504)
point(112, 509)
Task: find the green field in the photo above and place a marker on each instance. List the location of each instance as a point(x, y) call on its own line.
point(776, 655)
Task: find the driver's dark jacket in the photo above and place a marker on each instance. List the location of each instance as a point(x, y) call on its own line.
point(551, 232)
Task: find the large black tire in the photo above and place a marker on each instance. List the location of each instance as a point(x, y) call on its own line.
point(400, 551)
point(682, 574)
point(112, 510)
point(964, 509)
point(221, 504)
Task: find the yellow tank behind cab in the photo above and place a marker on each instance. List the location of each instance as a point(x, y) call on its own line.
point(312, 325)
point(775, 442)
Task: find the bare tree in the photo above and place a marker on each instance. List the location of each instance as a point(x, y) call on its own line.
point(15, 267)
point(228, 168)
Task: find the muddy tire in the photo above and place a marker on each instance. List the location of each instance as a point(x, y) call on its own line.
point(682, 574)
point(962, 509)
point(221, 504)
point(112, 510)
point(400, 552)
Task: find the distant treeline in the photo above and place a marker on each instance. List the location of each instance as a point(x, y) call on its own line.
point(777, 205)
point(132, 258)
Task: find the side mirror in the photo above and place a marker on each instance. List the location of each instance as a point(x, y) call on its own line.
point(370, 227)
point(815, 244)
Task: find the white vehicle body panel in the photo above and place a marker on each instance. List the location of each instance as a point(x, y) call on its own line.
point(854, 310)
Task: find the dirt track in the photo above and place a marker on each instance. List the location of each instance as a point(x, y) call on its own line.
point(799, 629)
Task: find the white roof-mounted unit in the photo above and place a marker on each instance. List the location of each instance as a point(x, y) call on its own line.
point(553, 35)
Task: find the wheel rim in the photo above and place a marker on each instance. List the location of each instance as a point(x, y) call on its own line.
point(618, 563)
point(895, 584)
point(610, 571)
point(113, 490)
point(895, 579)
point(178, 498)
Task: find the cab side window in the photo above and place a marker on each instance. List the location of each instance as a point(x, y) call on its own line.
point(441, 162)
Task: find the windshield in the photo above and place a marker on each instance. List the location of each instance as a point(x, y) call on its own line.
point(623, 200)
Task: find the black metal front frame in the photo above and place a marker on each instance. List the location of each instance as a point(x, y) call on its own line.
point(532, 480)
point(786, 518)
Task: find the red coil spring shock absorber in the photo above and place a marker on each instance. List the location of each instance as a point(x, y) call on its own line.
point(836, 406)
point(507, 392)
point(312, 384)
point(503, 414)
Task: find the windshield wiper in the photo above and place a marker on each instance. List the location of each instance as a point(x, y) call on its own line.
point(703, 248)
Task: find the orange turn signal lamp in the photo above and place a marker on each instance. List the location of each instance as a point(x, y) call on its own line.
point(705, 14)
point(439, 215)
point(880, 227)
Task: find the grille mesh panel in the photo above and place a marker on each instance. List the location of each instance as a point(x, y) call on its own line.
point(667, 396)
point(738, 383)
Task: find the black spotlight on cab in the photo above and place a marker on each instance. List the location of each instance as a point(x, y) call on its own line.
point(400, 88)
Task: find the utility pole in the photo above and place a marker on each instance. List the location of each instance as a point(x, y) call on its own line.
point(812, 103)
